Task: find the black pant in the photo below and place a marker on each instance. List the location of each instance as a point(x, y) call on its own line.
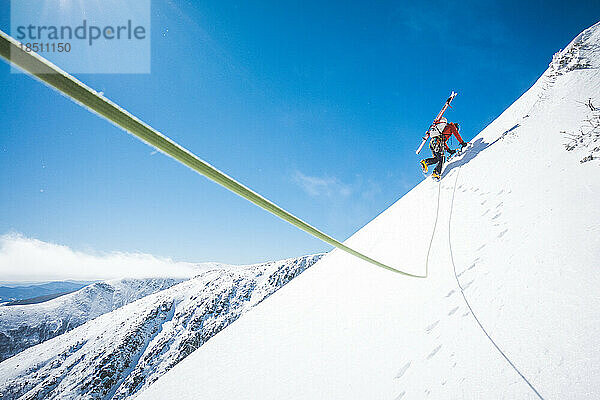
point(438, 157)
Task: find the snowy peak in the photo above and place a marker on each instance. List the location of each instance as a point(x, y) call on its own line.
point(23, 326)
point(582, 53)
point(117, 354)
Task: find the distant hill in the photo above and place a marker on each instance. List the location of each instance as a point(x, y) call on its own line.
point(37, 300)
point(10, 293)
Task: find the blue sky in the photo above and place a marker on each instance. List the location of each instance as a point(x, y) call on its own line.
point(318, 106)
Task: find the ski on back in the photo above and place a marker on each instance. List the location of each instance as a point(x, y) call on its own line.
point(437, 119)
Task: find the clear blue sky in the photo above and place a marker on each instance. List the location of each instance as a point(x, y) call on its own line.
point(317, 105)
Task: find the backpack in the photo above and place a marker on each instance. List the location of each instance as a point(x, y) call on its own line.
point(437, 128)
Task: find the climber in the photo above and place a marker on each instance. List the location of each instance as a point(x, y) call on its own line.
point(439, 134)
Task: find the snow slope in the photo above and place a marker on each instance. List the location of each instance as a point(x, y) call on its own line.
point(121, 352)
point(23, 326)
point(518, 226)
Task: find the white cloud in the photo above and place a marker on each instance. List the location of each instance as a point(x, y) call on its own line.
point(25, 259)
point(322, 186)
point(331, 187)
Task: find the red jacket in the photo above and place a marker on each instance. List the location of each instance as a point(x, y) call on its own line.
point(448, 131)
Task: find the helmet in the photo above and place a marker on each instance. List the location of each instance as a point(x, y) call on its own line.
point(457, 126)
point(443, 120)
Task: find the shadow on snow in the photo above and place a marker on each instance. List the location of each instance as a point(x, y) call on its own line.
point(476, 147)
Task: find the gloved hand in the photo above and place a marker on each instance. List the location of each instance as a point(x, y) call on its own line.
point(451, 151)
point(463, 145)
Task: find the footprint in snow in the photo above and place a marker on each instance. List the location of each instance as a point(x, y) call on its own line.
point(466, 314)
point(502, 233)
point(483, 202)
point(434, 352)
point(401, 395)
point(468, 284)
point(500, 204)
point(486, 211)
point(402, 370)
point(455, 309)
point(500, 192)
point(450, 293)
point(496, 216)
point(430, 327)
point(481, 247)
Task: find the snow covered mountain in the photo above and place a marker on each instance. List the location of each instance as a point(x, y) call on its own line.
point(121, 352)
point(510, 239)
point(23, 326)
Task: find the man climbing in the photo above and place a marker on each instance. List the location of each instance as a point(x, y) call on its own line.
point(439, 135)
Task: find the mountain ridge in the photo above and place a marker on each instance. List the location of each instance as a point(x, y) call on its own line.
point(123, 351)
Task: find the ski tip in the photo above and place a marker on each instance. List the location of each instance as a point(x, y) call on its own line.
point(452, 96)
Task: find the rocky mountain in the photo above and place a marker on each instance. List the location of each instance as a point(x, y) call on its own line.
point(122, 352)
point(23, 326)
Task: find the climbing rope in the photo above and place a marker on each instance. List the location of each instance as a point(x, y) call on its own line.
point(462, 291)
point(53, 76)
